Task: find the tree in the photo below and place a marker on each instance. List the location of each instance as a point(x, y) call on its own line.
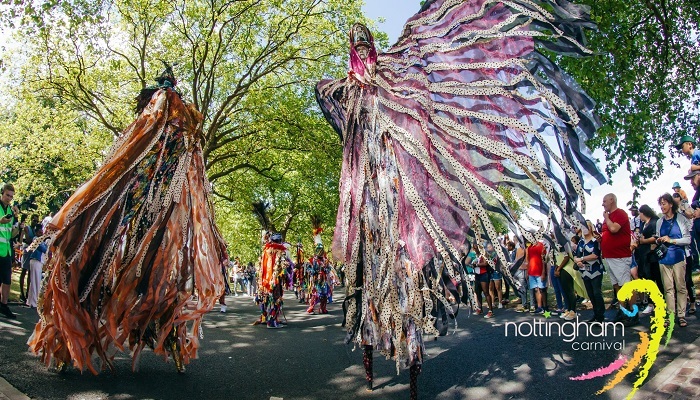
point(47, 150)
point(250, 66)
point(645, 78)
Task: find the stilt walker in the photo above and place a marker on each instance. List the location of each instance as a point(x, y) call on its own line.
point(462, 107)
point(136, 255)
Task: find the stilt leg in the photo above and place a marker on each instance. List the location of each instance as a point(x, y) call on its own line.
point(367, 361)
point(414, 371)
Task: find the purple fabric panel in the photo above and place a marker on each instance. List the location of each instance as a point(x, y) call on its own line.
point(350, 182)
point(453, 220)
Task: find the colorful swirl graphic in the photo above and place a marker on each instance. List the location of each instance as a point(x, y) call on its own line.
point(648, 347)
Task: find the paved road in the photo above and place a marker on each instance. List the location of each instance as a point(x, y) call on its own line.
point(308, 360)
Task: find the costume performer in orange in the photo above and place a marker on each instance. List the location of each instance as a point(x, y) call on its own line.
point(272, 277)
point(137, 257)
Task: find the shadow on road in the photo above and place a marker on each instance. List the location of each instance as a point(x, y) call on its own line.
point(308, 360)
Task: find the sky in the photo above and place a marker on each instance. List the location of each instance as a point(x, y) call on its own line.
point(395, 13)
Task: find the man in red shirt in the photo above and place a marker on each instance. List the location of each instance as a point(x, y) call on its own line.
point(615, 247)
point(534, 255)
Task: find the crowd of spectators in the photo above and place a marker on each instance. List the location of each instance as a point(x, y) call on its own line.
point(656, 242)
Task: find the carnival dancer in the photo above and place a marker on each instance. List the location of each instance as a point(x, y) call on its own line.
point(320, 285)
point(136, 255)
point(461, 108)
point(318, 270)
point(271, 280)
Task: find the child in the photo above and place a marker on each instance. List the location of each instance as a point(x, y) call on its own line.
point(687, 147)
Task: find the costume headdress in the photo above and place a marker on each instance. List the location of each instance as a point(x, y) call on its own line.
point(167, 77)
point(260, 209)
point(362, 70)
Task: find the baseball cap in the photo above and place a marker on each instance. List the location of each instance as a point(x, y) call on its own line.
point(634, 208)
point(685, 138)
point(691, 174)
point(675, 185)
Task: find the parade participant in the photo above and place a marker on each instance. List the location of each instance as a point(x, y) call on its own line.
point(136, 255)
point(460, 107)
point(271, 280)
point(319, 270)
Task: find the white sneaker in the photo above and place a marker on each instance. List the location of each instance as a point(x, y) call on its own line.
point(648, 310)
point(500, 305)
point(223, 309)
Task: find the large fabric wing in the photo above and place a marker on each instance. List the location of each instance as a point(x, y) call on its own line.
point(473, 105)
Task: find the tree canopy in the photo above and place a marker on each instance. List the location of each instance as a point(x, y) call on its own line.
point(249, 66)
point(645, 79)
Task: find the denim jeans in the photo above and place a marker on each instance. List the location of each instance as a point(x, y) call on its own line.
point(556, 284)
point(521, 276)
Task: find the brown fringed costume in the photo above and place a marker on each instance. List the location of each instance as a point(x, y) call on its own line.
point(136, 254)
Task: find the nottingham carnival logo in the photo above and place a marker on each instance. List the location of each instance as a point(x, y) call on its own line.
point(612, 334)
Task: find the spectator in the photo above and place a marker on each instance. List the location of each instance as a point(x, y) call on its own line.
point(691, 256)
point(687, 147)
point(694, 178)
point(496, 278)
point(9, 215)
point(683, 206)
point(510, 254)
point(537, 274)
point(240, 278)
point(468, 260)
point(677, 189)
point(252, 280)
point(635, 222)
point(648, 268)
point(598, 226)
point(46, 220)
point(521, 276)
point(589, 263)
point(564, 272)
point(17, 233)
point(674, 231)
point(27, 239)
point(554, 279)
point(36, 266)
point(615, 249)
point(483, 278)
